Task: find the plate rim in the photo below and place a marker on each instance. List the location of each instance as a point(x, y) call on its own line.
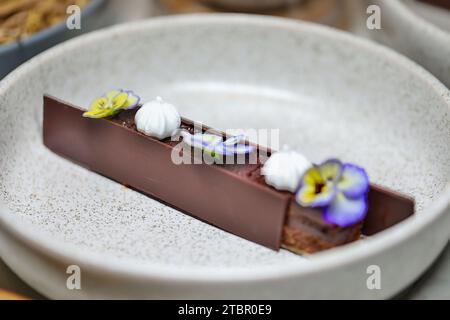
point(319, 262)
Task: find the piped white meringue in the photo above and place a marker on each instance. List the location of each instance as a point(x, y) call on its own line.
point(157, 119)
point(284, 169)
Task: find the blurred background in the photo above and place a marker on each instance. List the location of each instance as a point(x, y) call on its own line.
point(27, 27)
point(419, 29)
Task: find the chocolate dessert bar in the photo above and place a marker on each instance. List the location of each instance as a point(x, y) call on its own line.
point(232, 196)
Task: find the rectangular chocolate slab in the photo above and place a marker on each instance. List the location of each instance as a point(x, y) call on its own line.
point(235, 203)
point(232, 197)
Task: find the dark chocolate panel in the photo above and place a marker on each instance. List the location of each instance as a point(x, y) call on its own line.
point(222, 195)
point(386, 208)
point(232, 197)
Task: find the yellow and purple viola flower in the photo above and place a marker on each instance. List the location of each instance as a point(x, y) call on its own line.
point(111, 103)
point(340, 189)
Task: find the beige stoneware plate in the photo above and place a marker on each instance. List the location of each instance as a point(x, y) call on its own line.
point(329, 93)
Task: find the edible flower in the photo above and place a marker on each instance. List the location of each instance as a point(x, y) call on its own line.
point(339, 189)
point(215, 146)
point(111, 103)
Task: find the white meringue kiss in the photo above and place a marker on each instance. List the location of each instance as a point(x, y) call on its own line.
point(157, 119)
point(284, 169)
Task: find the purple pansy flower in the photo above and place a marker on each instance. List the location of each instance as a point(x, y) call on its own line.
point(340, 189)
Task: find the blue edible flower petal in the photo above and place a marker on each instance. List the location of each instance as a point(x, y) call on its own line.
point(353, 182)
point(345, 212)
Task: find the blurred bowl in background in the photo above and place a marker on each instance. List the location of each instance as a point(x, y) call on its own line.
point(432, 12)
point(334, 13)
point(15, 53)
point(422, 37)
point(251, 5)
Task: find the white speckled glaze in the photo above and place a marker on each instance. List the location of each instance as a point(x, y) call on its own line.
point(368, 105)
point(425, 41)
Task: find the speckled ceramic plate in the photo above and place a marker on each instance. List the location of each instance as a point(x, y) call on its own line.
point(330, 94)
